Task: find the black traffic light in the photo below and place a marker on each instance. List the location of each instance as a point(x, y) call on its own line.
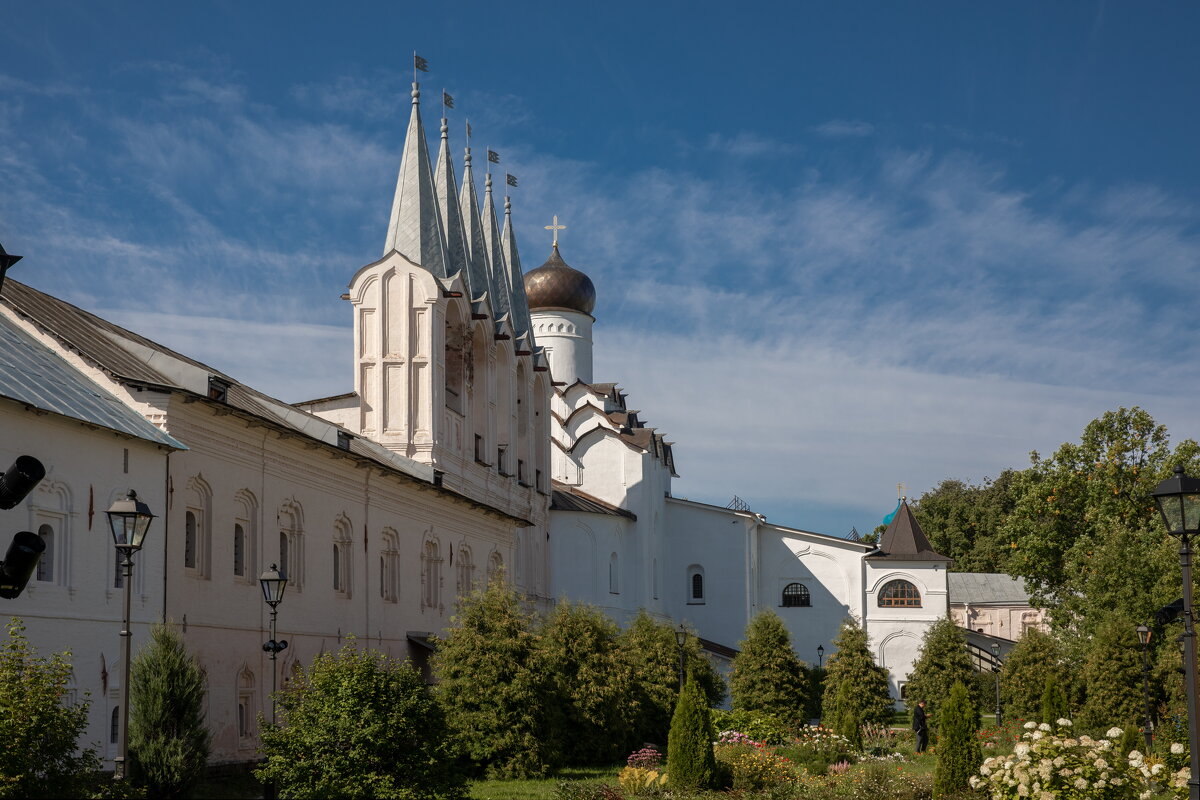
point(19, 563)
point(27, 547)
point(25, 473)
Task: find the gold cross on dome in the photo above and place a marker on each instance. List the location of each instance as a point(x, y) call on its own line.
point(901, 491)
point(556, 228)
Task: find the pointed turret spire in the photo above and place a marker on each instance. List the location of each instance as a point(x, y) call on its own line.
point(472, 223)
point(516, 282)
point(446, 187)
point(497, 269)
point(415, 228)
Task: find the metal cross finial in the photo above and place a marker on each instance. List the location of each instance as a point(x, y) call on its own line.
point(556, 228)
point(900, 491)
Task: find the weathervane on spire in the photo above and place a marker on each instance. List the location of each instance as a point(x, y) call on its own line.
point(555, 228)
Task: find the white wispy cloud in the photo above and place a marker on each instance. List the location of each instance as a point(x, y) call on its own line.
point(844, 128)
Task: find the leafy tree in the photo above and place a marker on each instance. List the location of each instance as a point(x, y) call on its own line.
point(168, 741)
point(39, 757)
point(593, 682)
point(767, 675)
point(958, 753)
point(652, 654)
point(964, 522)
point(1078, 514)
point(360, 724)
point(1054, 702)
point(690, 760)
point(1023, 677)
point(1112, 674)
point(943, 662)
point(498, 695)
point(853, 665)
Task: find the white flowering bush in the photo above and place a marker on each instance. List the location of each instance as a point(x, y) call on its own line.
point(1049, 764)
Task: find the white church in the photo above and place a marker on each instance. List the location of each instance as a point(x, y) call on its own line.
point(475, 439)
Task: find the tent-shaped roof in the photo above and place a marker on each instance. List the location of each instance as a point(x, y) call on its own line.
point(905, 541)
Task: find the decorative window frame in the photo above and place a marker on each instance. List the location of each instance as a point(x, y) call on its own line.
point(431, 573)
point(343, 567)
point(51, 506)
point(198, 502)
point(802, 594)
point(246, 515)
point(389, 567)
point(291, 527)
point(883, 590)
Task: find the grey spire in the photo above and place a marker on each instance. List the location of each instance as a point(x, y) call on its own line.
point(477, 258)
point(415, 228)
point(497, 269)
point(447, 194)
point(516, 282)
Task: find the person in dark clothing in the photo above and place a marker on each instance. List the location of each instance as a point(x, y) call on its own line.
point(921, 726)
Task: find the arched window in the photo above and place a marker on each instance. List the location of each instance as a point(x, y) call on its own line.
point(431, 575)
point(466, 571)
point(341, 556)
point(795, 595)
point(45, 565)
point(695, 584)
point(114, 730)
point(899, 594)
point(239, 551)
point(284, 566)
point(389, 567)
point(245, 704)
point(614, 586)
point(477, 381)
point(457, 339)
point(189, 540)
point(291, 544)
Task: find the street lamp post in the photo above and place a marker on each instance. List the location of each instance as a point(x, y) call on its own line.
point(1178, 499)
point(273, 582)
point(996, 669)
point(820, 657)
point(128, 519)
point(681, 640)
point(1143, 633)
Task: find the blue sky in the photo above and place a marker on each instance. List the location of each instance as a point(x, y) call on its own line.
point(837, 245)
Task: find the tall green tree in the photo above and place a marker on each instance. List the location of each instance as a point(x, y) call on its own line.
point(499, 698)
point(958, 752)
point(943, 662)
point(652, 654)
point(1079, 513)
point(1112, 675)
point(853, 665)
point(358, 724)
point(1023, 677)
point(691, 763)
point(767, 675)
point(593, 681)
point(40, 728)
point(168, 740)
point(964, 522)
point(1054, 702)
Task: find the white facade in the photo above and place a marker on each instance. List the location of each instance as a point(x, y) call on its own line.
point(567, 337)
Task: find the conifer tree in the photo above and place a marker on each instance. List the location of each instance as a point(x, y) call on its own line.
point(652, 655)
point(1112, 675)
point(767, 676)
point(848, 723)
point(168, 741)
point(497, 694)
point(958, 753)
point(691, 763)
point(359, 724)
point(853, 665)
point(1054, 702)
point(943, 662)
point(1023, 676)
point(593, 682)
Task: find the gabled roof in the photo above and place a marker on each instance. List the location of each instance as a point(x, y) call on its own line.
point(568, 498)
point(905, 541)
point(982, 588)
point(35, 375)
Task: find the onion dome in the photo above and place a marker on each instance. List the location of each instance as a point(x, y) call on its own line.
point(556, 285)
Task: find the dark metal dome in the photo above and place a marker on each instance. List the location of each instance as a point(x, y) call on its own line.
point(556, 285)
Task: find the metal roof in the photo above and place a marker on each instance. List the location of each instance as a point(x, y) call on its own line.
point(568, 498)
point(905, 541)
point(33, 374)
point(978, 588)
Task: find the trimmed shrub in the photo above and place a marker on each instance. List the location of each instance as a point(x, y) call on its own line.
point(1112, 676)
point(690, 760)
point(358, 724)
point(958, 752)
point(1054, 702)
point(767, 676)
point(168, 741)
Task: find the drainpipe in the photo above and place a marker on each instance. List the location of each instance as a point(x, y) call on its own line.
point(166, 525)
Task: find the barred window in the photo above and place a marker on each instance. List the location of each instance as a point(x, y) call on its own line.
point(795, 595)
point(899, 594)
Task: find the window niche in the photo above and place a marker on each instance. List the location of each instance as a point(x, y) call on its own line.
point(796, 595)
point(695, 585)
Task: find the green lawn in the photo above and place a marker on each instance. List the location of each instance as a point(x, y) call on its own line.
point(539, 789)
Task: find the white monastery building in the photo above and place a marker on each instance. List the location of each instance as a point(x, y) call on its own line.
point(476, 440)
